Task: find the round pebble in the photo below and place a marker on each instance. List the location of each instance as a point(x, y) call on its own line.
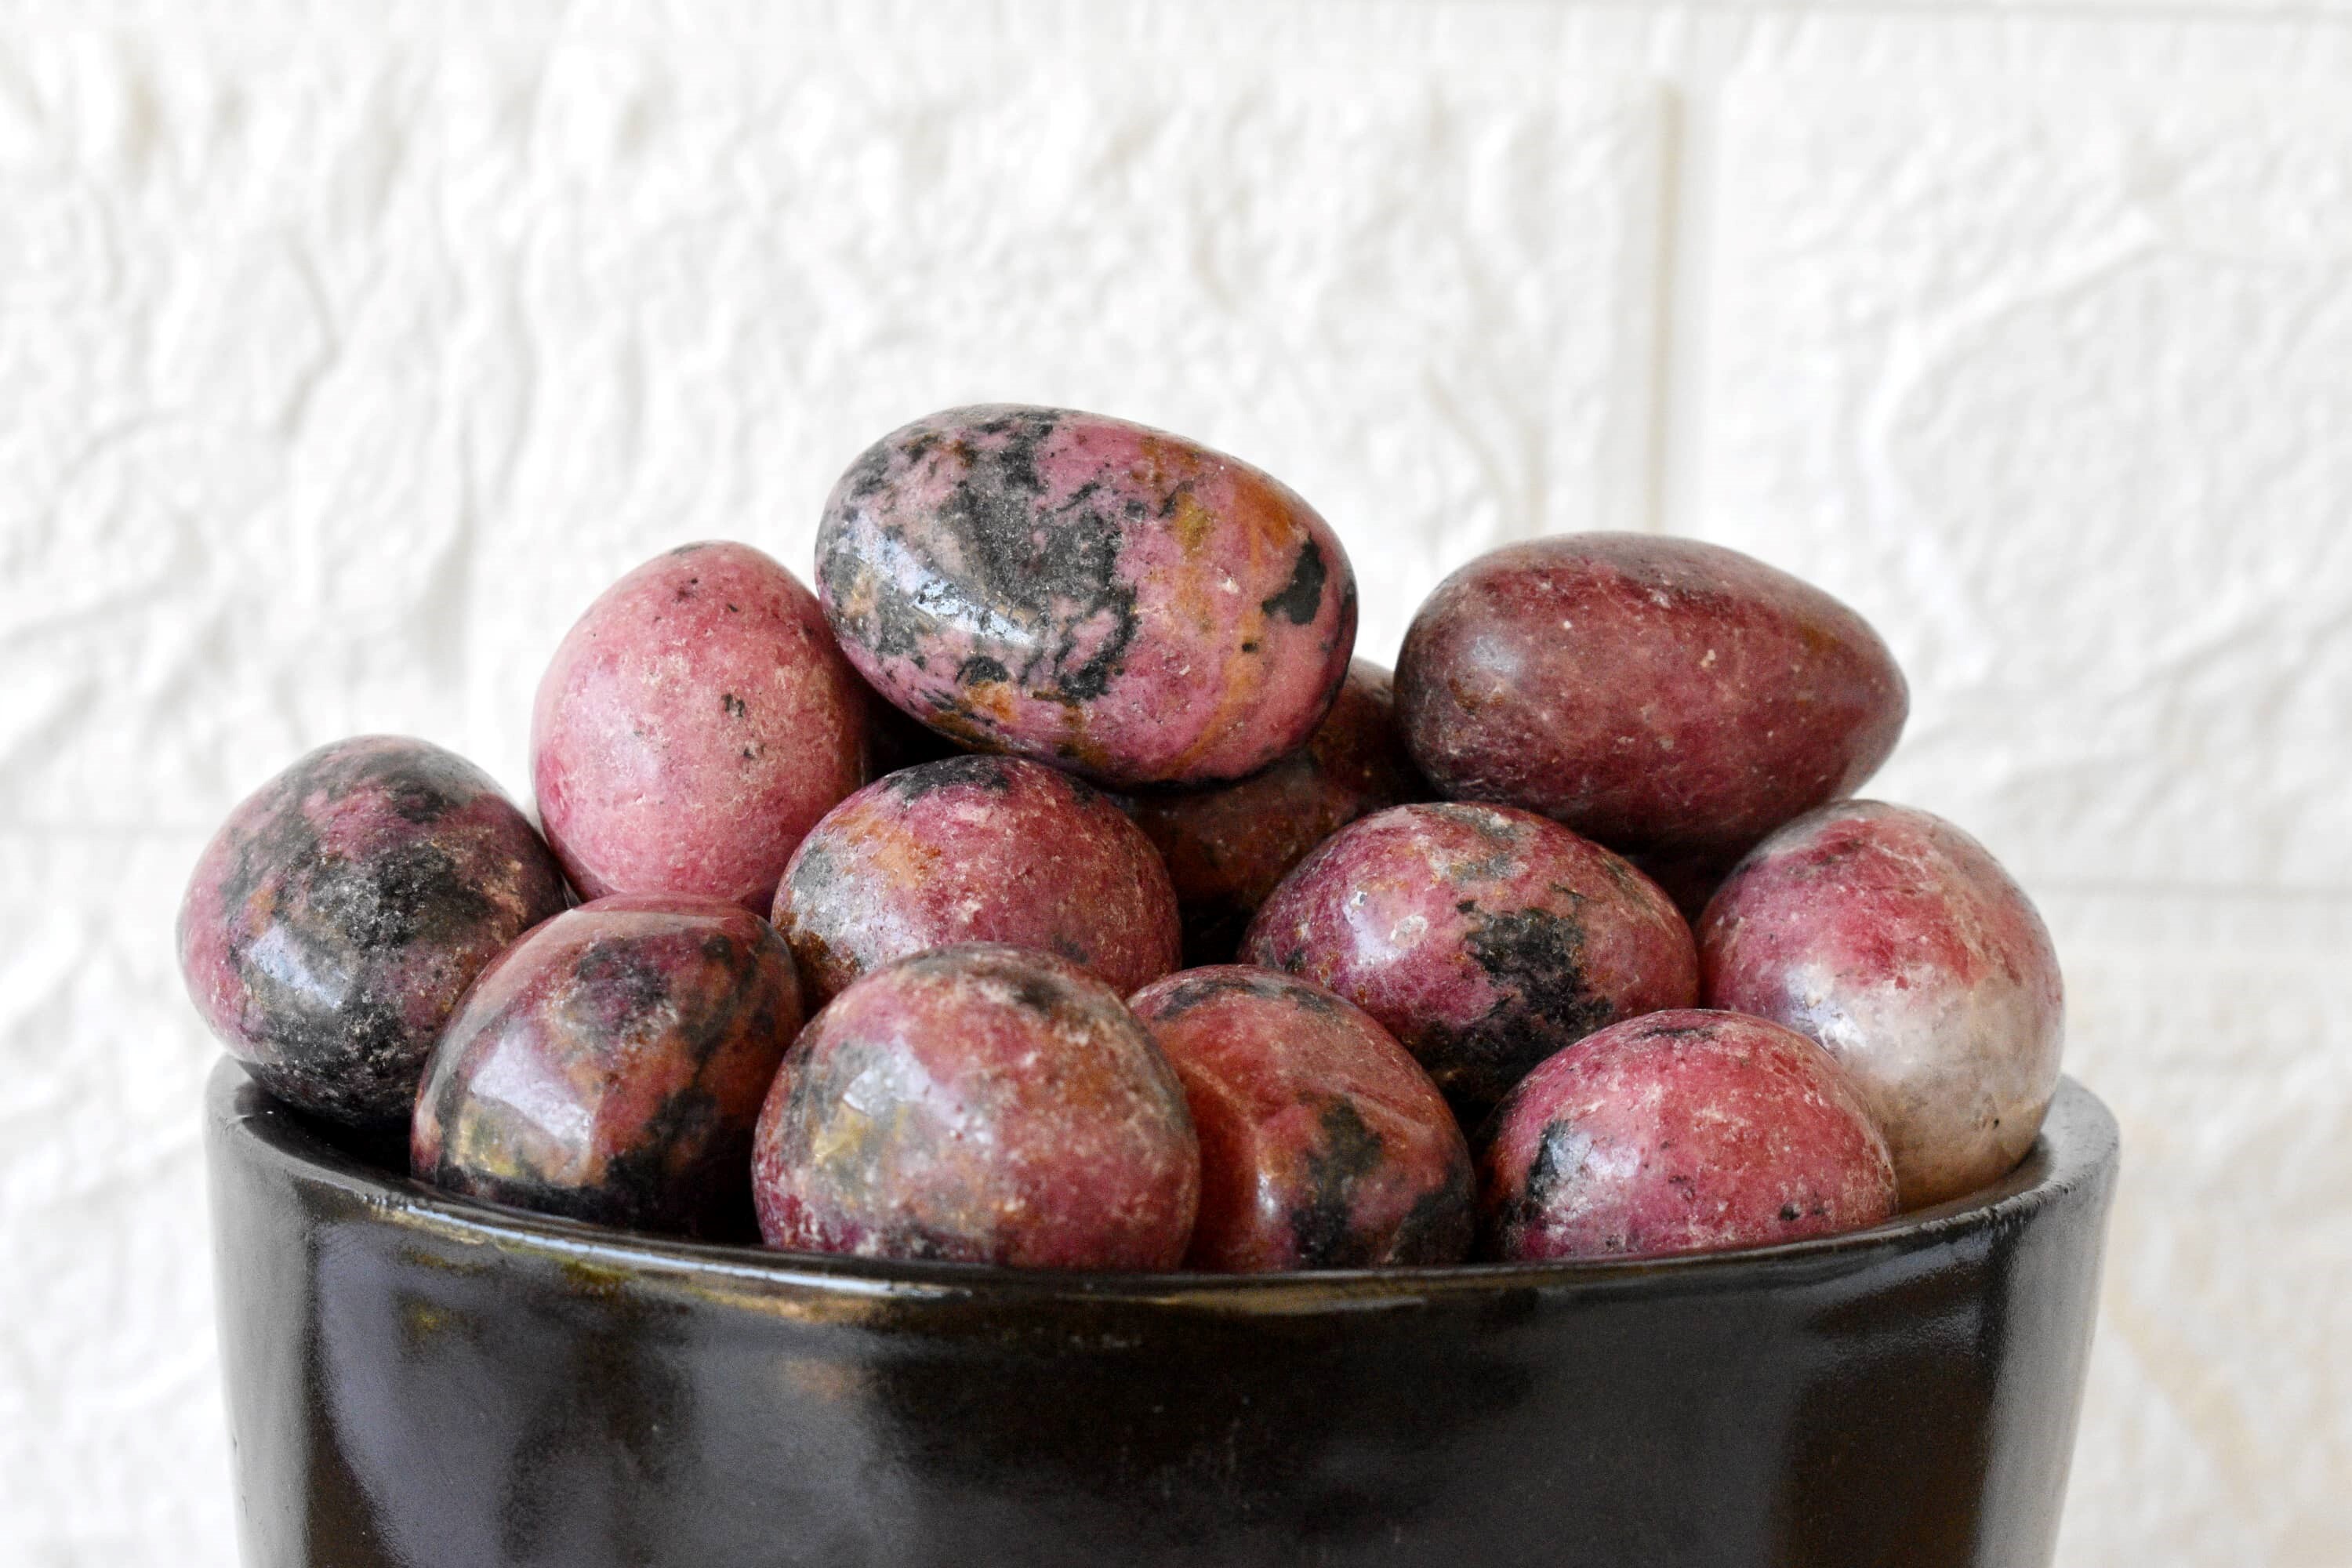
point(335, 919)
point(694, 723)
point(1482, 936)
point(1688, 1131)
point(983, 1104)
point(1323, 1144)
point(977, 848)
point(1900, 943)
point(610, 1067)
point(1090, 593)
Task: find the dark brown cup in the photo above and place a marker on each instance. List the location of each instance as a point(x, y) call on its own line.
point(417, 1379)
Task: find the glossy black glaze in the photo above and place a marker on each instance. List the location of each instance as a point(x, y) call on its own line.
point(417, 1379)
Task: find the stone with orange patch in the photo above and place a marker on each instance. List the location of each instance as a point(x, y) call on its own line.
point(977, 848)
point(1088, 593)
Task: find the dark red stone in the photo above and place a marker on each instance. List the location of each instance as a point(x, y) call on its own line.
point(610, 1067)
point(986, 1104)
point(331, 924)
point(1482, 936)
point(1663, 695)
point(1323, 1144)
point(1681, 1131)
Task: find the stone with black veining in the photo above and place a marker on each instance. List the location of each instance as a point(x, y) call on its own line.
point(1673, 699)
point(977, 848)
point(985, 1104)
point(1105, 597)
point(1482, 936)
point(1898, 942)
point(1681, 1131)
point(331, 924)
point(1227, 848)
point(610, 1067)
point(1323, 1143)
point(693, 724)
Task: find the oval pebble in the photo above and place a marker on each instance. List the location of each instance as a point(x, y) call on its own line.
point(694, 723)
point(983, 1104)
point(977, 848)
point(1900, 943)
point(1090, 593)
point(1665, 697)
point(1482, 936)
point(1688, 1131)
point(331, 924)
point(610, 1067)
point(1323, 1144)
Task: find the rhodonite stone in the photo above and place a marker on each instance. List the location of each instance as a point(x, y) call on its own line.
point(1227, 848)
point(977, 848)
point(986, 1104)
point(1900, 943)
point(692, 725)
point(1668, 698)
point(1483, 938)
point(1090, 593)
point(335, 919)
point(1681, 1131)
point(611, 1065)
point(1323, 1144)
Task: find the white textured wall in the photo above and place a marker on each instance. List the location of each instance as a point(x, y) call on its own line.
point(346, 350)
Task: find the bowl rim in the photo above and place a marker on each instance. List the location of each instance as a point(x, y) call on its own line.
point(2078, 1145)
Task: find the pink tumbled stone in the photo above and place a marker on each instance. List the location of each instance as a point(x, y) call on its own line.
point(1900, 943)
point(335, 920)
point(1482, 936)
point(1086, 592)
point(983, 1104)
point(1671, 698)
point(611, 1064)
point(1323, 1144)
point(694, 723)
point(1680, 1132)
point(977, 848)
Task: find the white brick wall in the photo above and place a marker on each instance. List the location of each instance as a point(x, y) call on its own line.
point(345, 351)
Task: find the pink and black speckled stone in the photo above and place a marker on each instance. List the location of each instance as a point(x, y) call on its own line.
point(611, 1066)
point(1227, 848)
point(985, 1104)
point(1900, 943)
point(1681, 1131)
point(1323, 1144)
point(1090, 593)
point(1483, 938)
point(977, 848)
point(694, 723)
point(1663, 695)
point(331, 924)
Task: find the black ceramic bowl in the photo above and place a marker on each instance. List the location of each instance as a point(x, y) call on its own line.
point(417, 1379)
